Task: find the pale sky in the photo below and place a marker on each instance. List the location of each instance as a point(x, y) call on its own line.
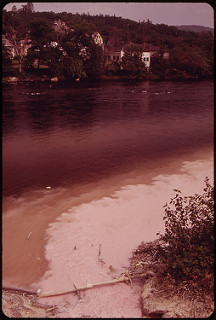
point(173, 13)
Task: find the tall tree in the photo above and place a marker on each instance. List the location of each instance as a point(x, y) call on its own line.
point(14, 8)
point(41, 34)
point(30, 6)
point(94, 63)
point(17, 33)
point(132, 63)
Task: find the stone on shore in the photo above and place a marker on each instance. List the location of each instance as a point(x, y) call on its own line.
point(55, 79)
point(13, 79)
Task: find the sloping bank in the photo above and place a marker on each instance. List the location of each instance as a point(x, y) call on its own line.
point(179, 265)
point(161, 299)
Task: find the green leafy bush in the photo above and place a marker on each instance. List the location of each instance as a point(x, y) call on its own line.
point(186, 249)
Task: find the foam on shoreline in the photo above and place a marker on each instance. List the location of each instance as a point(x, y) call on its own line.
point(92, 242)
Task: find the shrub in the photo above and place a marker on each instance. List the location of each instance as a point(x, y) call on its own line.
point(186, 249)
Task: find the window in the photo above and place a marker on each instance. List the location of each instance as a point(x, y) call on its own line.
point(117, 57)
point(147, 59)
point(114, 57)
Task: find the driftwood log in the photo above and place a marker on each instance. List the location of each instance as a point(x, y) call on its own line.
point(89, 286)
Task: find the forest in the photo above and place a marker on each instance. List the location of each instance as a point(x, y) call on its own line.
point(68, 51)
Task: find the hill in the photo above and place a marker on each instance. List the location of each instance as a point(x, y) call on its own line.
point(195, 28)
point(190, 53)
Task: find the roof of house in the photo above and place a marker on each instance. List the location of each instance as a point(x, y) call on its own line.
point(149, 47)
point(146, 46)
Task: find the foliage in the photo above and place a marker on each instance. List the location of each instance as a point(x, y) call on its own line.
point(41, 35)
point(16, 29)
point(94, 64)
point(132, 63)
point(193, 62)
point(191, 53)
point(186, 250)
point(41, 32)
point(159, 67)
point(73, 68)
point(112, 68)
point(6, 60)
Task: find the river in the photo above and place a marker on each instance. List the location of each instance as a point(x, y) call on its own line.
point(87, 169)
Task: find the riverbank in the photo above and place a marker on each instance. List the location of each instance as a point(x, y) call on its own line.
point(92, 243)
point(22, 304)
point(54, 79)
point(161, 297)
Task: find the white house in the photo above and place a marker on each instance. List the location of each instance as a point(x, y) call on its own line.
point(98, 39)
point(146, 57)
point(116, 54)
point(111, 53)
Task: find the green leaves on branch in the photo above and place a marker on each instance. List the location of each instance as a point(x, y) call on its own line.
point(186, 248)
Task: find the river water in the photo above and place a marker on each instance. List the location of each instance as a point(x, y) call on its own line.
point(87, 169)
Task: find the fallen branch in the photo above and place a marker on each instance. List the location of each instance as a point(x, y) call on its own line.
point(89, 286)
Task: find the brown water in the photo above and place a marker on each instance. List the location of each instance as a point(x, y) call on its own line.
point(111, 154)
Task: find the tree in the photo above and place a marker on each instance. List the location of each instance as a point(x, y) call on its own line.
point(82, 57)
point(30, 7)
point(17, 33)
point(187, 247)
point(60, 30)
point(14, 8)
point(94, 63)
point(6, 60)
point(73, 68)
point(192, 62)
point(132, 63)
point(41, 34)
point(159, 67)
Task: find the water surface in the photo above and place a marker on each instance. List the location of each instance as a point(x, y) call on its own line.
point(64, 136)
point(107, 151)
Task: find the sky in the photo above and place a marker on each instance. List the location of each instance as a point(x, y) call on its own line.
point(173, 13)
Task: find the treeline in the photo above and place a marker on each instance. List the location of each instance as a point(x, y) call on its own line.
point(69, 50)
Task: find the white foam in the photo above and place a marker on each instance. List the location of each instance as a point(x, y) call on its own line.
point(116, 225)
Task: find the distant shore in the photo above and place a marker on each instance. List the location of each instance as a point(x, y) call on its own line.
point(55, 79)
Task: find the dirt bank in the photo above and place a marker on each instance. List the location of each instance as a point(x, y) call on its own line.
point(159, 297)
point(21, 304)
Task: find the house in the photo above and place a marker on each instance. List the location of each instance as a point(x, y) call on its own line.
point(154, 50)
point(112, 53)
point(116, 54)
point(146, 57)
point(98, 39)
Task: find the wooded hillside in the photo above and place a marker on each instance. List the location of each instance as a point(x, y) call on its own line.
point(191, 53)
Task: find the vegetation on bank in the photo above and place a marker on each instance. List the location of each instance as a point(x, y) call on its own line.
point(72, 53)
point(182, 259)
